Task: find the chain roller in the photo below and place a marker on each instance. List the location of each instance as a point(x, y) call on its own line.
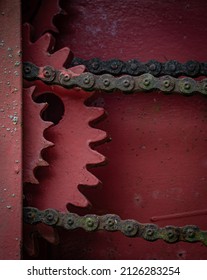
point(111, 222)
point(134, 67)
point(109, 83)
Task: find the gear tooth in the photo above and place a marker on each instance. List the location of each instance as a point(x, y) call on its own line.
point(89, 179)
point(49, 144)
point(96, 159)
point(34, 141)
point(79, 199)
point(44, 42)
point(96, 113)
point(40, 52)
point(99, 136)
point(59, 57)
point(42, 162)
point(79, 69)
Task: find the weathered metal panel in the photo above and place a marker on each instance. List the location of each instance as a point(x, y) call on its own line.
point(10, 130)
point(156, 168)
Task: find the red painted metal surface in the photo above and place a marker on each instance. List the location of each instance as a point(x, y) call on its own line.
point(10, 130)
point(157, 158)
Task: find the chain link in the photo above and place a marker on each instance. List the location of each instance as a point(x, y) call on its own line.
point(106, 82)
point(134, 67)
point(111, 222)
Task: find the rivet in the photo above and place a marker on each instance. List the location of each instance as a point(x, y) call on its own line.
point(133, 66)
point(126, 83)
point(70, 222)
point(152, 67)
point(95, 65)
point(191, 66)
point(106, 82)
point(190, 233)
point(50, 216)
point(114, 66)
point(30, 215)
point(172, 67)
point(27, 69)
point(90, 223)
point(129, 228)
point(166, 83)
point(46, 73)
point(187, 85)
point(146, 82)
point(86, 80)
point(110, 222)
point(150, 232)
point(66, 77)
point(170, 234)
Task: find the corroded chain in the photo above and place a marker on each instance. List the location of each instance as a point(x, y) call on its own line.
point(110, 222)
point(109, 83)
point(134, 67)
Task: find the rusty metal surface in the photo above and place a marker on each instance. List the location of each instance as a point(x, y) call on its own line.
point(135, 67)
point(10, 131)
point(111, 222)
point(127, 84)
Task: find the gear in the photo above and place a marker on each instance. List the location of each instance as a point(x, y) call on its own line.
point(72, 136)
point(33, 125)
point(34, 13)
